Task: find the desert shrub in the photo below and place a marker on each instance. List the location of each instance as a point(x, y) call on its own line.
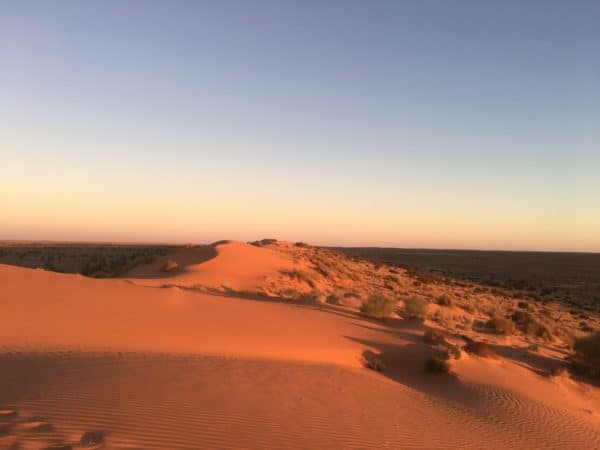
point(263, 242)
point(562, 372)
point(587, 352)
point(480, 349)
point(501, 325)
point(468, 307)
point(378, 306)
point(444, 300)
point(300, 276)
point(452, 351)
point(444, 317)
point(322, 269)
point(415, 308)
point(523, 305)
point(434, 337)
point(375, 363)
point(531, 326)
point(435, 364)
point(169, 265)
point(585, 327)
point(302, 244)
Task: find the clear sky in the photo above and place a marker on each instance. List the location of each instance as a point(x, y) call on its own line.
point(463, 124)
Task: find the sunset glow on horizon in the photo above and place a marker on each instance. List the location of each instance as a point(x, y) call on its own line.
point(393, 124)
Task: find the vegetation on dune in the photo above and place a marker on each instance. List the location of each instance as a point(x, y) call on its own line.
point(416, 308)
point(378, 306)
point(444, 300)
point(532, 326)
point(480, 349)
point(300, 276)
point(375, 363)
point(501, 325)
point(587, 354)
point(435, 364)
point(169, 265)
point(434, 337)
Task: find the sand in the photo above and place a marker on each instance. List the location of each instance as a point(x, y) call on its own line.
point(193, 365)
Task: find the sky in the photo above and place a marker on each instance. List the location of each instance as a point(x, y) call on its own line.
point(436, 124)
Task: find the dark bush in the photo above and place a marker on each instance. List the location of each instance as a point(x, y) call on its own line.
point(444, 300)
point(437, 365)
point(587, 353)
point(501, 325)
point(480, 349)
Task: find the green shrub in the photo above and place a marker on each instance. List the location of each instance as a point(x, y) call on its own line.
point(416, 308)
point(378, 306)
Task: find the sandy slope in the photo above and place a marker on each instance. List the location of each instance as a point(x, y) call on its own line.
point(225, 266)
point(165, 368)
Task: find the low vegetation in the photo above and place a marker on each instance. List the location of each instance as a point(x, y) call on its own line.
point(378, 306)
point(416, 308)
point(501, 325)
point(375, 363)
point(587, 354)
point(435, 364)
point(531, 326)
point(434, 337)
point(480, 349)
point(300, 276)
point(169, 265)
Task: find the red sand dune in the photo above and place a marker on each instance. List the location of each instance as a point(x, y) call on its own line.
point(156, 367)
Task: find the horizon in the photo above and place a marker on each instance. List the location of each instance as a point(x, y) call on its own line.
point(333, 246)
point(470, 126)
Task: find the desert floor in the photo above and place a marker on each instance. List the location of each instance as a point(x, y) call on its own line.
point(227, 351)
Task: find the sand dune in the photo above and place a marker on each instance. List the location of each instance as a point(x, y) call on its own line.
point(228, 265)
point(148, 367)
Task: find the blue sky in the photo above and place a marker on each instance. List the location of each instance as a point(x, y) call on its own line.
point(430, 124)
